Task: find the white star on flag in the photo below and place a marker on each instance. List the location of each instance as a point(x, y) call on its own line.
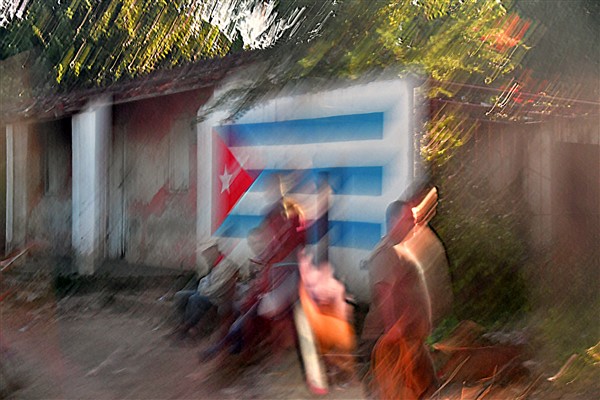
point(226, 179)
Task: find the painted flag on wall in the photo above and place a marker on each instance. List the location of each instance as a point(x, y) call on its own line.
point(360, 137)
point(230, 181)
point(351, 225)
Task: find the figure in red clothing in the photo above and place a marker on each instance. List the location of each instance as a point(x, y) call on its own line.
point(399, 319)
point(275, 290)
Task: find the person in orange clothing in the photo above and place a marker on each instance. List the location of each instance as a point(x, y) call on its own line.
point(323, 299)
point(399, 319)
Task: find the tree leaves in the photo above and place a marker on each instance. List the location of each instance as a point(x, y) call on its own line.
point(96, 42)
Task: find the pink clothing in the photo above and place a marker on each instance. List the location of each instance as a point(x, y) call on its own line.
point(327, 292)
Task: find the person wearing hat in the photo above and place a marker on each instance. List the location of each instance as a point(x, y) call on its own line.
point(215, 289)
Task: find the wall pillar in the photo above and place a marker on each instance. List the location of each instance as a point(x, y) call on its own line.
point(538, 187)
point(91, 134)
point(18, 194)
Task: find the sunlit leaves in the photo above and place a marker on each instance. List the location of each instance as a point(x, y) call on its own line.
point(443, 135)
point(90, 42)
point(94, 42)
point(443, 39)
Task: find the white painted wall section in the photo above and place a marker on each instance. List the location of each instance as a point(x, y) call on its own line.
point(91, 133)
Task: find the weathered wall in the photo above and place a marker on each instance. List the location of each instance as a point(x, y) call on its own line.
point(554, 166)
point(551, 169)
point(24, 184)
point(563, 188)
point(2, 188)
point(500, 154)
point(563, 169)
point(49, 159)
point(154, 145)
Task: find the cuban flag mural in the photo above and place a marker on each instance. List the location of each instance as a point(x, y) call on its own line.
point(358, 138)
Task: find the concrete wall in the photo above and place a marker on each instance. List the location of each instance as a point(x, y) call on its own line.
point(553, 168)
point(152, 181)
point(91, 130)
point(49, 222)
point(23, 182)
point(562, 168)
point(2, 188)
point(563, 188)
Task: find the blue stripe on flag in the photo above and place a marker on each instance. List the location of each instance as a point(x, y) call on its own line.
point(356, 235)
point(350, 234)
point(238, 226)
point(302, 131)
point(357, 181)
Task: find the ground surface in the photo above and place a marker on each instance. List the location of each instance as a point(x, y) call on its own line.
point(104, 345)
point(82, 349)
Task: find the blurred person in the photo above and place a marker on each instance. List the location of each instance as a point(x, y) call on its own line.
point(277, 241)
point(323, 299)
point(250, 270)
point(274, 291)
point(215, 290)
point(399, 319)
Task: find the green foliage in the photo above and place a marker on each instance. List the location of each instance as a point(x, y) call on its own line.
point(565, 330)
point(485, 248)
point(444, 39)
point(443, 329)
point(97, 42)
point(581, 377)
point(444, 134)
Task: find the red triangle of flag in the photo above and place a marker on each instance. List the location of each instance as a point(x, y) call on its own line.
point(230, 181)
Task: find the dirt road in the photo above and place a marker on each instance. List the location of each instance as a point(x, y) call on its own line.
point(88, 351)
point(97, 346)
